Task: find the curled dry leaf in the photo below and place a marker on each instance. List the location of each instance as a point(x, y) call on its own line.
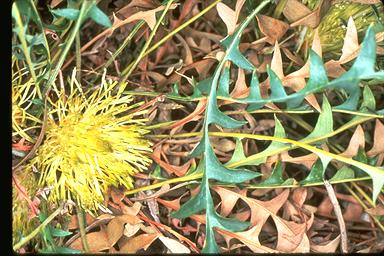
point(224, 145)
point(115, 228)
point(173, 245)
point(378, 145)
point(290, 234)
point(377, 211)
point(272, 28)
point(191, 117)
point(277, 62)
point(357, 141)
point(74, 223)
point(228, 200)
point(131, 229)
point(229, 16)
point(137, 243)
point(313, 19)
point(97, 241)
point(306, 160)
point(295, 10)
point(351, 42)
point(326, 247)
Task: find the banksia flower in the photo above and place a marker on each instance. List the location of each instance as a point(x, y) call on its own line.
point(333, 25)
point(91, 143)
point(23, 92)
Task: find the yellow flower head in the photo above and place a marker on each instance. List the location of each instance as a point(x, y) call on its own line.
point(91, 143)
point(333, 26)
point(22, 94)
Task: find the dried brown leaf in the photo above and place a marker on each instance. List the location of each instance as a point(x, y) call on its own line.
point(251, 239)
point(351, 42)
point(293, 57)
point(290, 235)
point(376, 211)
point(97, 241)
point(74, 223)
point(173, 245)
point(139, 242)
point(240, 85)
point(130, 230)
point(229, 16)
point(313, 19)
point(328, 247)
point(295, 10)
point(115, 228)
point(55, 3)
point(378, 145)
point(228, 200)
point(272, 28)
point(357, 141)
point(353, 212)
point(306, 160)
point(277, 62)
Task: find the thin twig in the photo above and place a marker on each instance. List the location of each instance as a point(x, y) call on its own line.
point(78, 57)
point(160, 193)
point(80, 219)
point(88, 228)
point(339, 216)
point(129, 69)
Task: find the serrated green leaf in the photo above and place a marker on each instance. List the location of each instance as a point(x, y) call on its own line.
point(157, 173)
point(262, 156)
point(238, 153)
point(68, 13)
point(223, 88)
point(254, 94)
point(231, 43)
point(59, 232)
point(194, 205)
point(343, 174)
point(175, 90)
point(276, 177)
point(318, 75)
point(204, 86)
point(229, 224)
point(66, 250)
point(377, 182)
point(99, 16)
point(210, 245)
point(215, 170)
point(324, 124)
point(214, 115)
point(277, 88)
point(199, 148)
point(369, 101)
point(318, 169)
point(316, 174)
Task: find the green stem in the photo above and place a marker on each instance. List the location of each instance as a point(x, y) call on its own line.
point(24, 46)
point(85, 6)
point(129, 69)
point(195, 176)
point(78, 58)
point(80, 219)
point(181, 27)
point(38, 229)
point(124, 44)
point(236, 112)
